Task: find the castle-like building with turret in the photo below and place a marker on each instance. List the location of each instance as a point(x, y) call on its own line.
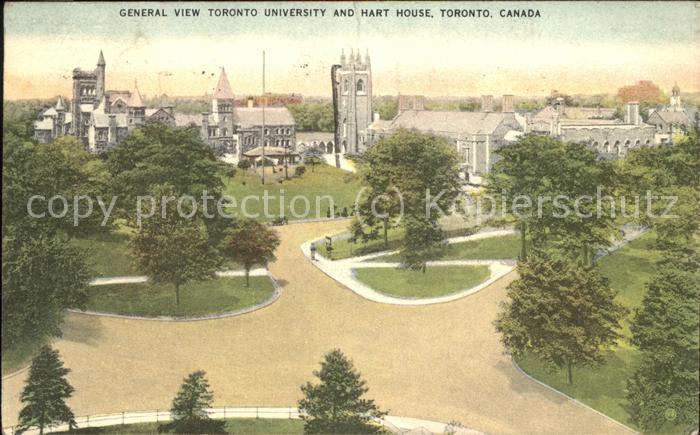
point(101, 119)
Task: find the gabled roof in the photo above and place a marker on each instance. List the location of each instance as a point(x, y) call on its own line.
point(223, 87)
point(451, 122)
point(135, 99)
point(247, 117)
point(60, 105)
point(674, 116)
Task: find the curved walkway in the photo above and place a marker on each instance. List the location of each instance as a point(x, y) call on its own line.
point(258, 271)
point(342, 271)
point(394, 424)
point(439, 362)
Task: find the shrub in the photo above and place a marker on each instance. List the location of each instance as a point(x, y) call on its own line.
point(244, 164)
point(299, 170)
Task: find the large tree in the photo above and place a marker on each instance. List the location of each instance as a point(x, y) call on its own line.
point(45, 393)
point(336, 404)
point(562, 313)
point(41, 277)
point(409, 173)
point(189, 407)
point(251, 243)
point(663, 391)
point(156, 155)
point(423, 241)
point(172, 248)
point(549, 189)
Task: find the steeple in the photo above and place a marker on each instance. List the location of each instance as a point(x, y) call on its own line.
point(367, 57)
point(342, 56)
point(60, 105)
point(223, 87)
point(135, 98)
point(101, 60)
point(358, 58)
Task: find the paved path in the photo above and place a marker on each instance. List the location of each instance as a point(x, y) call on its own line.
point(259, 271)
point(393, 423)
point(343, 271)
point(345, 164)
point(438, 362)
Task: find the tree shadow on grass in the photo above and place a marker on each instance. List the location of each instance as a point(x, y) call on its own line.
point(80, 328)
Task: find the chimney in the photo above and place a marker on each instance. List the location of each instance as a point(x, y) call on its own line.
point(251, 102)
point(632, 113)
point(559, 105)
point(112, 132)
point(205, 126)
point(107, 103)
point(487, 103)
point(507, 104)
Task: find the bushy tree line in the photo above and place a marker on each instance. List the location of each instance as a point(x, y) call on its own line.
point(336, 404)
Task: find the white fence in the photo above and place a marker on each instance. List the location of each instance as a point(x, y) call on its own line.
point(397, 425)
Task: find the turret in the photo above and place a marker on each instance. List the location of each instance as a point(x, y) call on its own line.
point(342, 57)
point(100, 73)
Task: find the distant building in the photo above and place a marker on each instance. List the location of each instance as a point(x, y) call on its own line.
point(674, 118)
point(475, 135)
point(353, 86)
point(236, 130)
point(101, 119)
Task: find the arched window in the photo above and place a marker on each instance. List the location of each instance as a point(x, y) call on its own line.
point(647, 142)
point(360, 85)
point(595, 145)
point(616, 148)
point(224, 132)
point(606, 146)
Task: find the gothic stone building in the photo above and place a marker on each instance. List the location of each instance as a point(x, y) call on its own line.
point(101, 119)
point(352, 84)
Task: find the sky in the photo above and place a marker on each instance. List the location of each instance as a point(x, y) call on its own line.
point(582, 47)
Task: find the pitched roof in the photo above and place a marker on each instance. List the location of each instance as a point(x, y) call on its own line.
point(44, 124)
point(186, 120)
point(135, 99)
point(223, 87)
point(60, 105)
point(101, 59)
point(101, 120)
point(674, 116)
point(270, 151)
point(450, 121)
point(247, 117)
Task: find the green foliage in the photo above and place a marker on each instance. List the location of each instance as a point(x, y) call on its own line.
point(423, 241)
point(59, 168)
point(158, 155)
point(41, 276)
point(244, 164)
point(299, 170)
point(173, 249)
point(387, 107)
point(664, 389)
point(542, 180)
point(560, 312)
point(251, 243)
point(402, 170)
point(189, 406)
point(45, 393)
point(313, 116)
point(312, 157)
point(335, 405)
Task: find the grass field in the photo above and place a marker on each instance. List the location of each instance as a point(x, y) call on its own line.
point(109, 254)
point(492, 248)
point(436, 281)
point(317, 187)
point(231, 426)
point(603, 388)
point(218, 295)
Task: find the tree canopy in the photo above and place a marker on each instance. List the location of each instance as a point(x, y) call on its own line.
point(336, 405)
point(251, 243)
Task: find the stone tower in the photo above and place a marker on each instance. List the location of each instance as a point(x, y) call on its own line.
point(88, 89)
point(353, 84)
point(676, 98)
point(222, 105)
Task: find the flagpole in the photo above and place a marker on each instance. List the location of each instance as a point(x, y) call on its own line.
point(263, 117)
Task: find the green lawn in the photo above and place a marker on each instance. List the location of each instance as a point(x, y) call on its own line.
point(21, 356)
point(603, 388)
point(323, 183)
point(492, 248)
point(436, 281)
point(346, 249)
point(109, 254)
point(231, 426)
point(218, 295)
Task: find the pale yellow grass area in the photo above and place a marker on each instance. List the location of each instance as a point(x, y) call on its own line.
point(439, 362)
